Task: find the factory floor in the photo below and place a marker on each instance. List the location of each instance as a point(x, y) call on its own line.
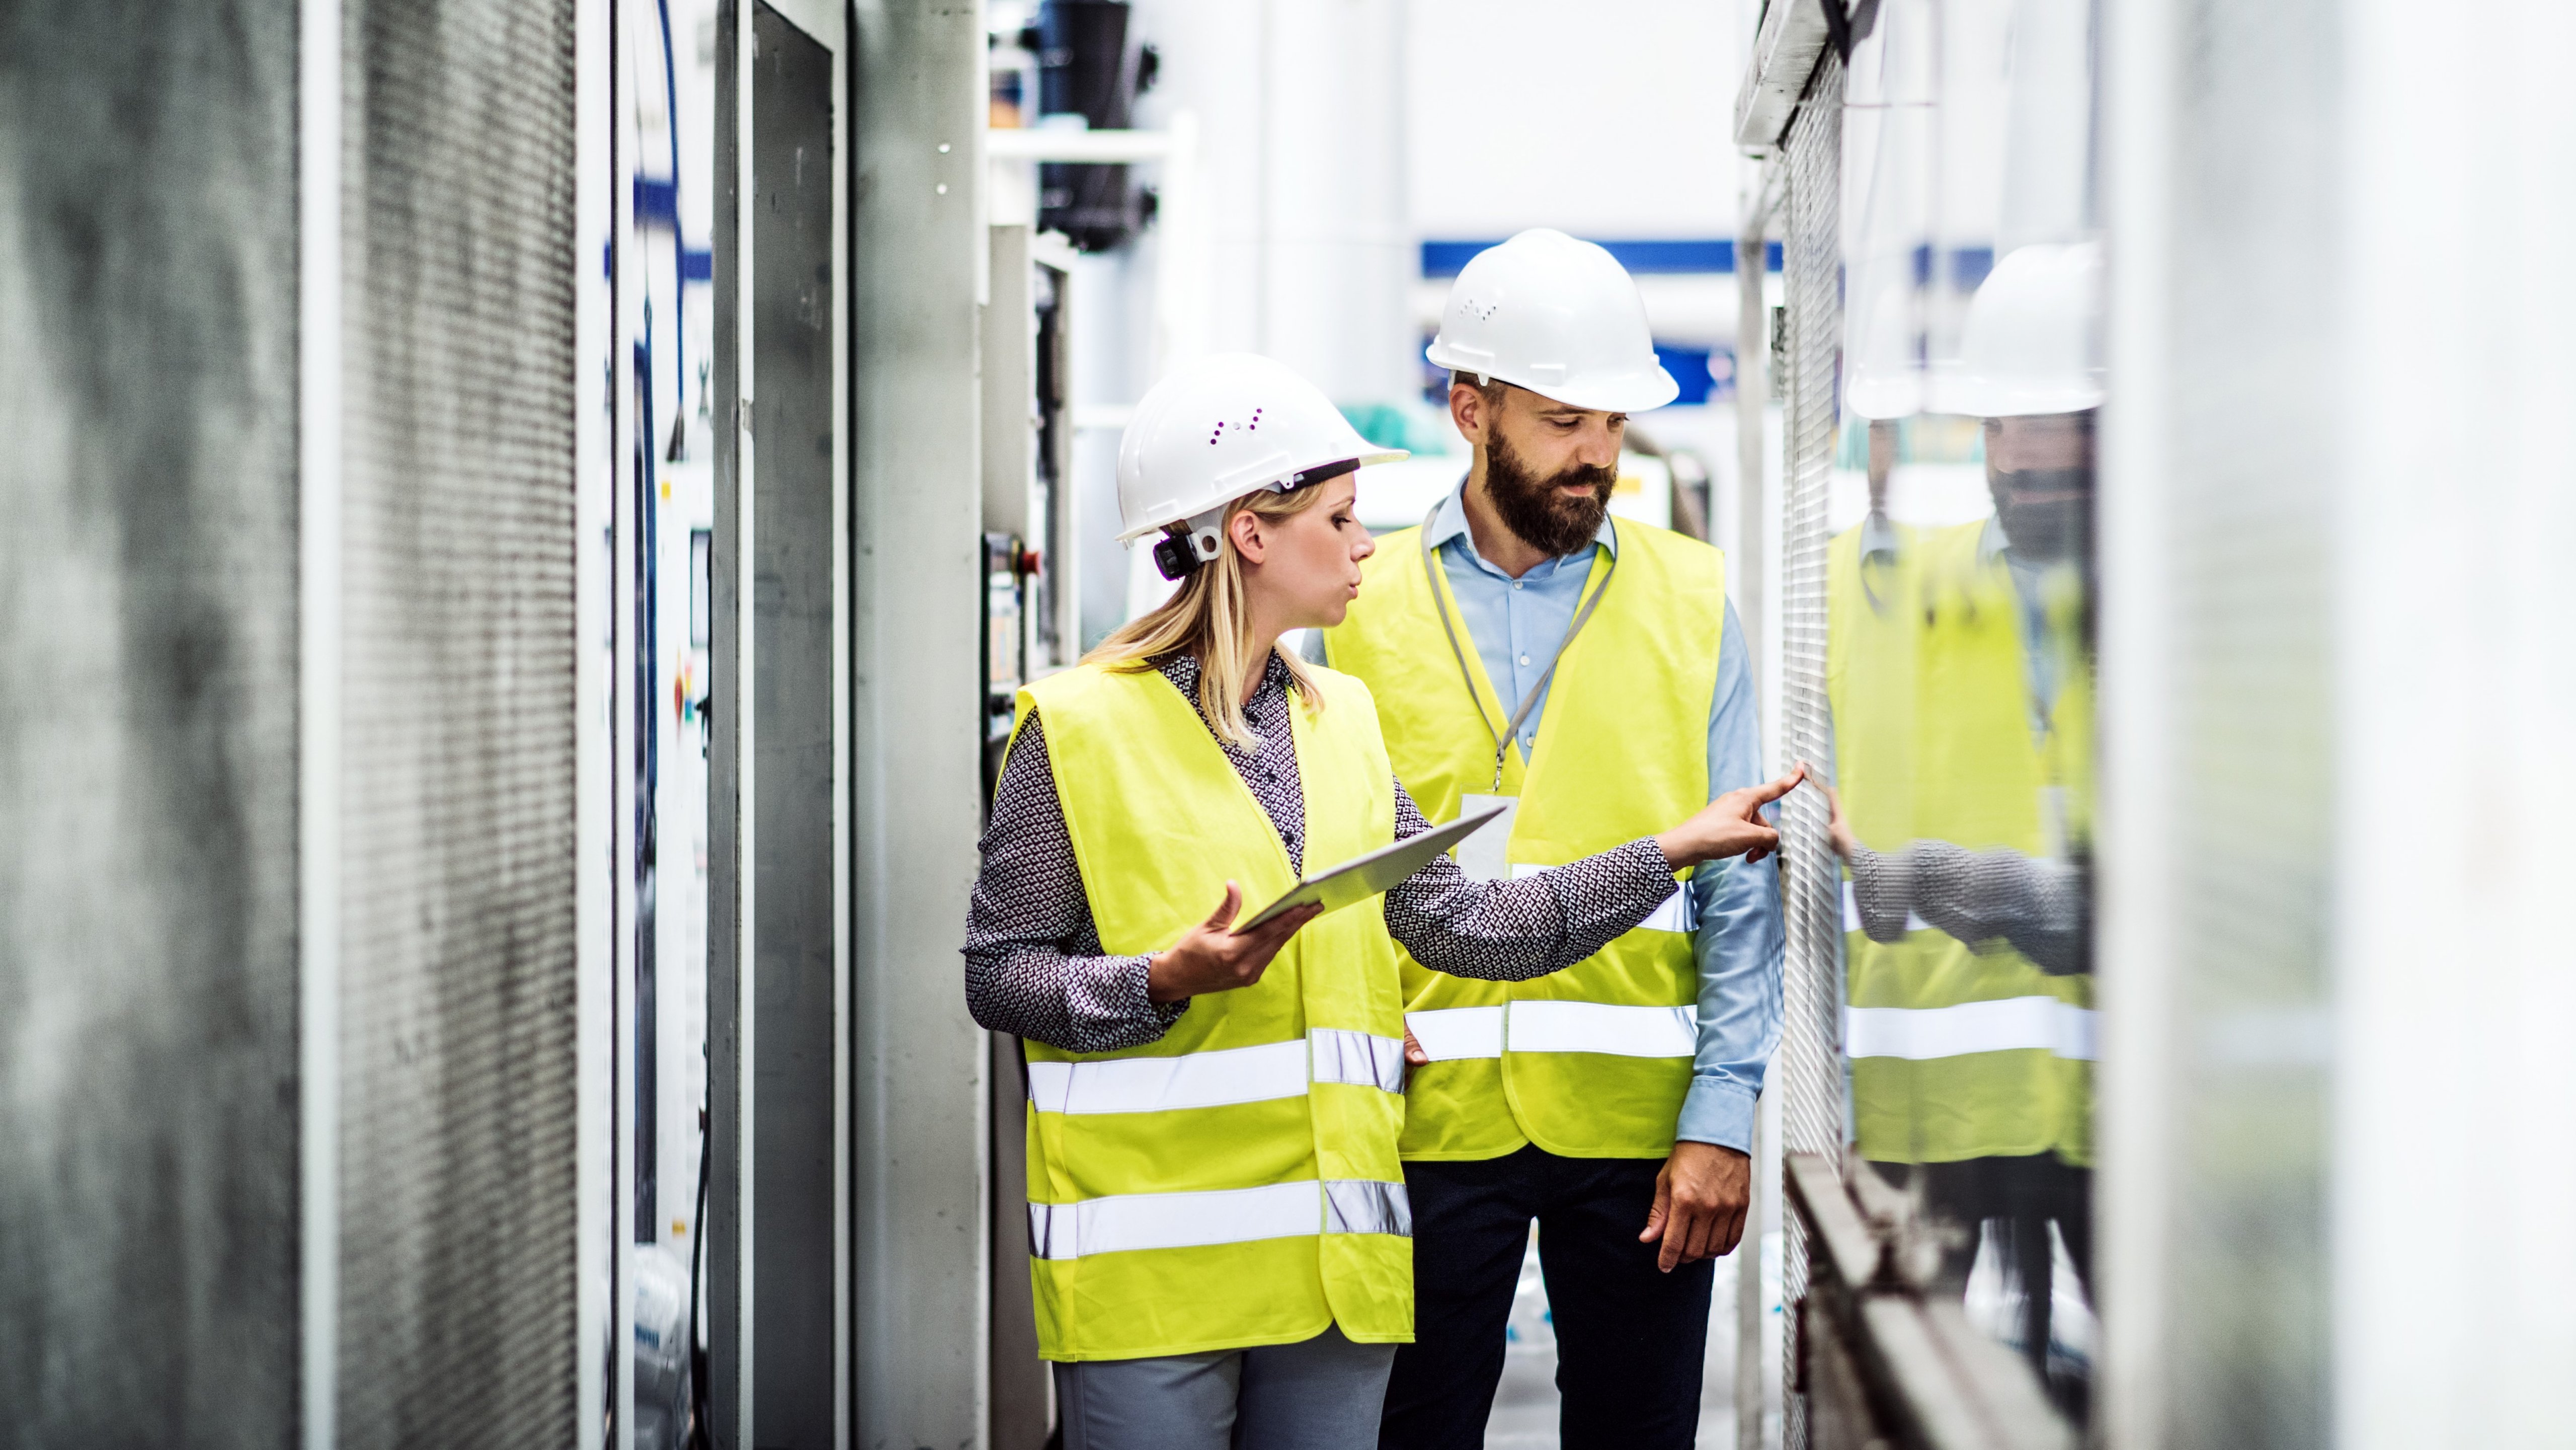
point(1525, 1406)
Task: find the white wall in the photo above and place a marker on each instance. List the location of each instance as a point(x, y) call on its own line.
point(1609, 119)
point(2453, 1266)
point(1300, 104)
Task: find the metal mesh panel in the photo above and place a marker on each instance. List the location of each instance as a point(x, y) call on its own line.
point(457, 1272)
point(1809, 1065)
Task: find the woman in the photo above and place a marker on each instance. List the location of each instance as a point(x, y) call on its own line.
point(1217, 1214)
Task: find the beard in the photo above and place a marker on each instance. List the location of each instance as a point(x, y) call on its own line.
point(2046, 513)
point(1535, 509)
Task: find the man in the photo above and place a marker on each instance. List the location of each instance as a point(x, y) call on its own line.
point(1960, 678)
point(1522, 645)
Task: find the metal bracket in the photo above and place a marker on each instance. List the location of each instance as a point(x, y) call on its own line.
point(1793, 37)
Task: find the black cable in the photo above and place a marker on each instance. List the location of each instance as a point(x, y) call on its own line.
point(700, 1437)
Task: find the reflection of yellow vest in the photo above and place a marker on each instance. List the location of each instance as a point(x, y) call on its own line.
point(1593, 1061)
point(1958, 1051)
point(1235, 1183)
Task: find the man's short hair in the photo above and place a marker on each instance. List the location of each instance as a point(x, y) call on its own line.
point(1490, 391)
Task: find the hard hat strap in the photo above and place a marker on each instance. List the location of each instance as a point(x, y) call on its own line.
point(1322, 473)
point(1177, 556)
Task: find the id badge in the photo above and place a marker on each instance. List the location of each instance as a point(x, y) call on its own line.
point(1486, 855)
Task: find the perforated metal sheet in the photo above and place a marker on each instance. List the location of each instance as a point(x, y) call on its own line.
point(457, 1266)
point(1809, 1065)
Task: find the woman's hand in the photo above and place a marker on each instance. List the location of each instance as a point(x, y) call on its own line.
point(1214, 957)
point(1730, 825)
point(1846, 845)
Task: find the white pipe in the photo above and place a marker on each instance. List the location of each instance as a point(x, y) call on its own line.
point(1051, 143)
point(318, 706)
point(626, 301)
point(1181, 265)
point(594, 903)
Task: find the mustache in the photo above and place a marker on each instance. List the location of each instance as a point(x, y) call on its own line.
point(2044, 484)
point(1586, 475)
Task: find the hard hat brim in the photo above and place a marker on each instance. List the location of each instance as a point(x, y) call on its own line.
point(1640, 391)
point(1366, 459)
point(1977, 399)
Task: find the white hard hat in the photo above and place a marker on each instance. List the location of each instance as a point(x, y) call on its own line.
point(2033, 343)
point(1882, 368)
point(1557, 316)
point(1224, 426)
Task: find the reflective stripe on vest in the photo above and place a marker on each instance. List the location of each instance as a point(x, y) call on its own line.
point(2008, 1025)
point(1453, 1033)
point(1957, 1050)
point(1128, 1222)
point(1361, 1059)
point(1176, 1201)
point(1218, 1079)
point(1621, 751)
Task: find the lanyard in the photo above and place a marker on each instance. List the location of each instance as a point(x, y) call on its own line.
point(1529, 702)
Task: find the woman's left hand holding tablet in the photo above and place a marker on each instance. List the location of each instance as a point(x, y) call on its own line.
point(1213, 957)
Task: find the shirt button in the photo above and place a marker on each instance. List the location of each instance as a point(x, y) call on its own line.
point(1516, 584)
point(1525, 659)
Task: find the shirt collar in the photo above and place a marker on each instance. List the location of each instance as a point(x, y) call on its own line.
point(1991, 542)
point(1450, 523)
point(1183, 671)
point(1877, 535)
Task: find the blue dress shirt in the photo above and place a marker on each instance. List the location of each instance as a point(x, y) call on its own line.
point(1517, 625)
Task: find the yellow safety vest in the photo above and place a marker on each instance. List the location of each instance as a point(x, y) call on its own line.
point(1235, 1183)
point(1593, 1061)
point(1957, 1051)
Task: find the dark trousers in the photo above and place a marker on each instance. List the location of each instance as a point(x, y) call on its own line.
point(1629, 1340)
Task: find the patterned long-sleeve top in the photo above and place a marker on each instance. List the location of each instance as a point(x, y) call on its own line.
point(2041, 907)
point(1034, 965)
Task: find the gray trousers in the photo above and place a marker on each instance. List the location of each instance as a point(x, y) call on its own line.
point(1321, 1394)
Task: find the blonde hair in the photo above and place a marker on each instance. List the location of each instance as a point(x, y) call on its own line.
point(1206, 618)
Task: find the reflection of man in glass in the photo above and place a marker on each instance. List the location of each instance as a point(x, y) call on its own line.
point(1960, 676)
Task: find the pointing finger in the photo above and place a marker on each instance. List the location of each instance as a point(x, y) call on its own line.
point(1773, 790)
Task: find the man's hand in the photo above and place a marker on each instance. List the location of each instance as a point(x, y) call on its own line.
point(1214, 957)
point(1700, 1201)
point(1413, 1052)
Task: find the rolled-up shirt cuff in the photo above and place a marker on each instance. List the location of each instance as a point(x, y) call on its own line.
point(1717, 1111)
point(1131, 981)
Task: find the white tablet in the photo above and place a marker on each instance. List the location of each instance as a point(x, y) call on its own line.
point(1362, 877)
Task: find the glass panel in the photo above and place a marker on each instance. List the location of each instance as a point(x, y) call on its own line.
point(1959, 660)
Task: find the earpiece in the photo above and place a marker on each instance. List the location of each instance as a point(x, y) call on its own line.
point(1174, 556)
